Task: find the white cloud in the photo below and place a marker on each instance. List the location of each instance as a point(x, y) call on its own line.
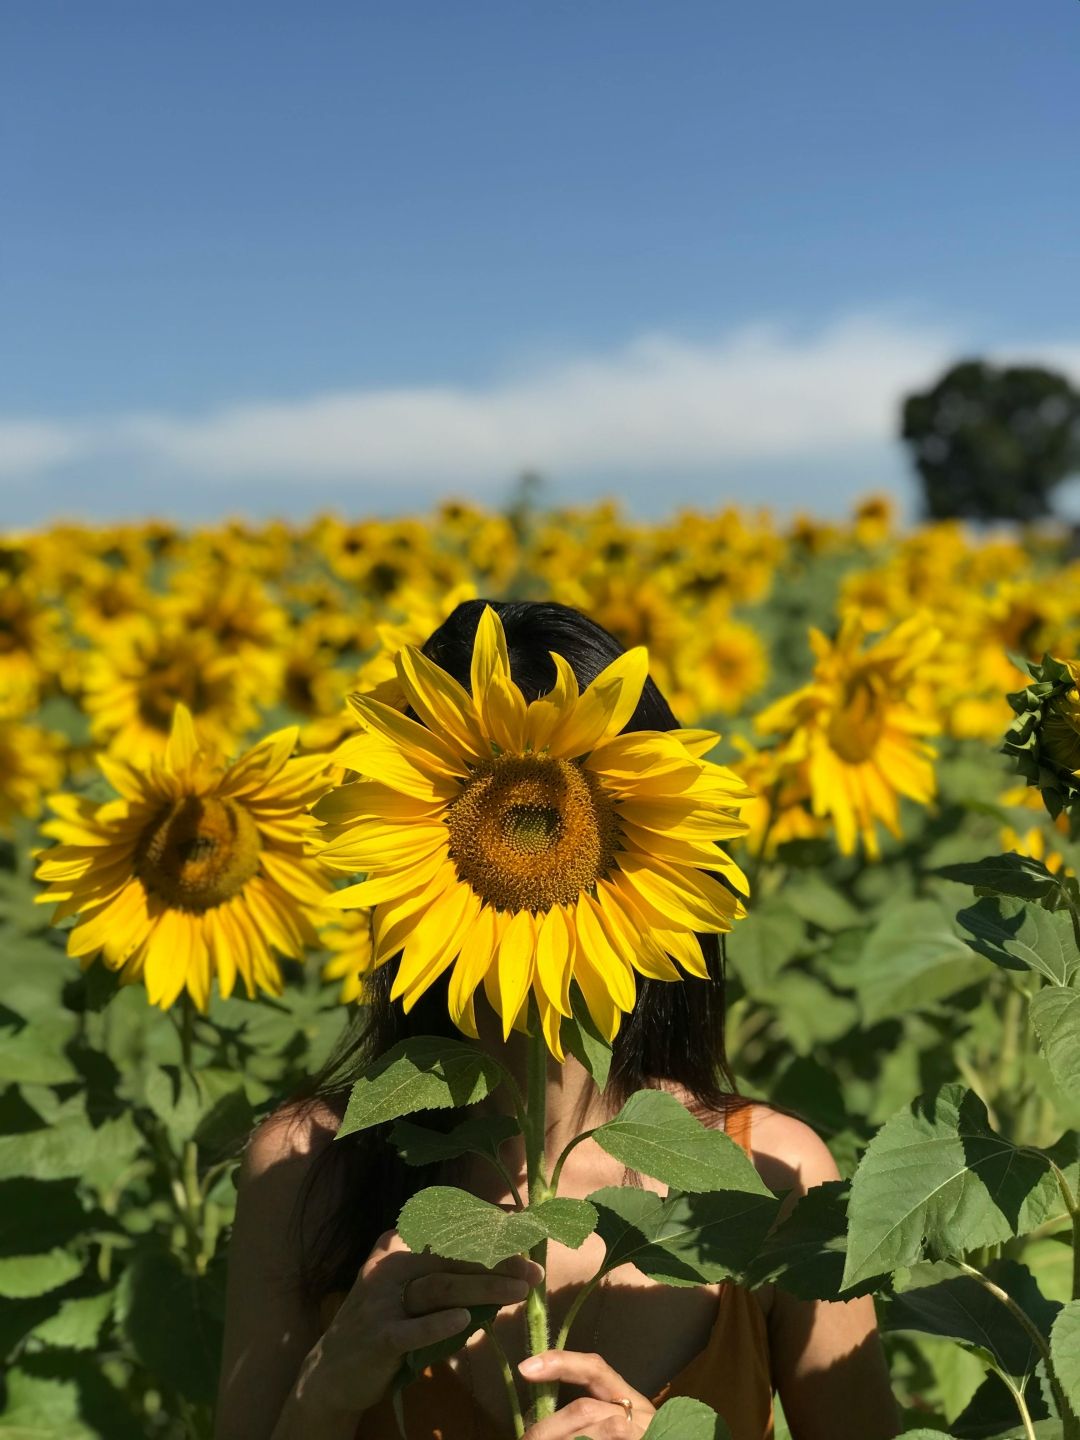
point(657, 406)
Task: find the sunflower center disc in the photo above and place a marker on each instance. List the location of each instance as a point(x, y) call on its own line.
point(198, 853)
point(857, 726)
point(529, 832)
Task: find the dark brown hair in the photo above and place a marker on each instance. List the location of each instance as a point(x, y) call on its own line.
point(674, 1033)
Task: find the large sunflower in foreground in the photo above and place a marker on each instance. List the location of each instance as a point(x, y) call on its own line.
point(198, 869)
point(530, 846)
point(854, 732)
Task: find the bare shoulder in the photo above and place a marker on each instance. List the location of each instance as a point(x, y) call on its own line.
point(788, 1153)
point(293, 1133)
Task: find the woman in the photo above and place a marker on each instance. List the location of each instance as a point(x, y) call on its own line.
point(324, 1297)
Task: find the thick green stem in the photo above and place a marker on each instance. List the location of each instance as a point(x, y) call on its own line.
point(535, 1129)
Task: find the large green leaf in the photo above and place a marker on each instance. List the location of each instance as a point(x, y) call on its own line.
point(77, 1323)
point(686, 1419)
point(34, 1054)
point(683, 1239)
point(1015, 935)
point(568, 1221)
point(174, 1322)
point(964, 1310)
point(479, 1135)
point(655, 1134)
point(423, 1073)
point(1055, 1013)
point(762, 944)
point(805, 1253)
point(72, 1148)
point(937, 1180)
point(912, 959)
point(38, 1214)
point(1020, 876)
point(459, 1226)
point(1065, 1352)
point(22, 1276)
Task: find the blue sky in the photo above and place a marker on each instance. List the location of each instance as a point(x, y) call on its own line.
point(259, 256)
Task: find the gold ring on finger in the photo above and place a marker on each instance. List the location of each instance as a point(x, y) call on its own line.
point(405, 1295)
point(628, 1409)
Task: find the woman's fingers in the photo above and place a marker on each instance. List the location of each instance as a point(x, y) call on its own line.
point(401, 1336)
point(594, 1419)
point(441, 1289)
point(591, 1372)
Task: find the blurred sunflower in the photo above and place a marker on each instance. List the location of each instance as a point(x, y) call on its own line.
point(854, 732)
point(529, 846)
point(1033, 839)
point(198, 869)
point(31, 764)
point(132, 691)
point(31, 648)
point(723, 667)
point(349, 941)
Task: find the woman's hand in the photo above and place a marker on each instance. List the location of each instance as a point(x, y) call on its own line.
point(602, 1414)
point(399, 1302)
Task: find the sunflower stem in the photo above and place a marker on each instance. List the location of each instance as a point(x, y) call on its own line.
point(535, 1132)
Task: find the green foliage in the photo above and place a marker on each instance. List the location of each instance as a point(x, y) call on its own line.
point(423, 1073)
point(685, 1419)
point(1065, 1352)
point(655, 1134)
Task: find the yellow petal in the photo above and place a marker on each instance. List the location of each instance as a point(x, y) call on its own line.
point(182, 749)
point(684, 899)
point(514, 967)
point(605, 707)
point(596, 949)
point(443, 705)
point(477, 952)
point(554, 955)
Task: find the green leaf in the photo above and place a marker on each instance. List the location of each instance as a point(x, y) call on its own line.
point(478, 1135)
point(570, 1222)
point(682, 1239)
point(174, 1322)
point(459, 1226)
point(762, 944)
point(655, 1134)
point(423, 1073)
point(818, 902)
point(805, 1253)
point(1055, 1013)
point(1019, 876)
point(937, 1180)
point(1065, 1352)
point(42, 1409)
point(38, 1214)
point(22, 1276)
point(686, 1419)
point(912, 959)
point(77, 1323)
point(33, 1054)
point(1014, 935)
point(963, 1310)
point(72, 1148)
point(584, 1041)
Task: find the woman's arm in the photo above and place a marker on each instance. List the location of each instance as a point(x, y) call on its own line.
point(269, 1328)
point(828, 1364)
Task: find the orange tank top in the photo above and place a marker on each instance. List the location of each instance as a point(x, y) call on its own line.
point(731, 1372)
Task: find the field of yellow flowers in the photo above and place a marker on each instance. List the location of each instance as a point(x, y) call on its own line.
point(169, 705)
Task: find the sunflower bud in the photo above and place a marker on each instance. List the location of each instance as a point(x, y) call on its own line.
point(1044, 739)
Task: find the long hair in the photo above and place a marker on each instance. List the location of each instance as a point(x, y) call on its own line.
point(674, 1033)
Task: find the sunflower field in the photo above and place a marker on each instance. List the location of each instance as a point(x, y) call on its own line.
point(901, 707)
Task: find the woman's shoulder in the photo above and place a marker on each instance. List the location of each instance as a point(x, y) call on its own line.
point(788, 1153)
point(293, 1136)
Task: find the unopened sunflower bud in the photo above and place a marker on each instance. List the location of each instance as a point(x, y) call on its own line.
point(1044, 739)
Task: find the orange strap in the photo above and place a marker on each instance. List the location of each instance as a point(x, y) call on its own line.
point(738, 1122)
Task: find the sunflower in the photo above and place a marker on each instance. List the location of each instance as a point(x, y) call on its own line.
point(529, 846)
point(854, 732)
point(31, 764)
point(349, 941)
point(31, 650)
point(724, 666)
point(198, 869)
point(132, 690)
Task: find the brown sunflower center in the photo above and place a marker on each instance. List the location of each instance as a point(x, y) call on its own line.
point(529, 832)
point(857, 725)
point(198, 853)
